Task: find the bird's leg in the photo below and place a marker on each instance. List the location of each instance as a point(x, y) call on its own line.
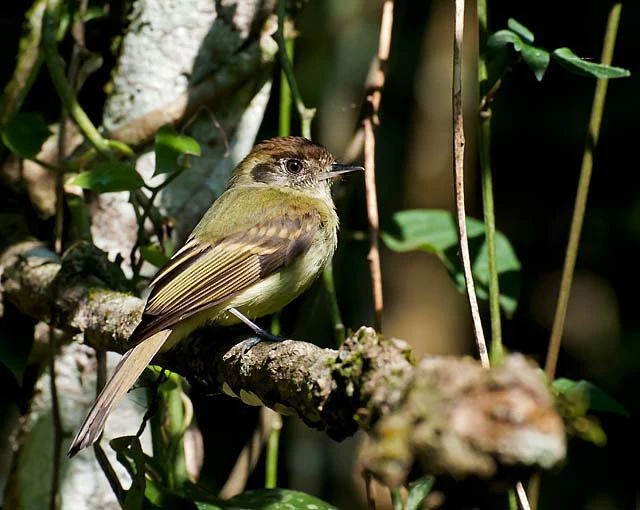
point(261, 334)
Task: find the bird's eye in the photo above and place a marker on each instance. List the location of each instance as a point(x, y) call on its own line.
point(293, 166)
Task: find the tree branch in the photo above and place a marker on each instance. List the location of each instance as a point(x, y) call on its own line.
point(446, 413)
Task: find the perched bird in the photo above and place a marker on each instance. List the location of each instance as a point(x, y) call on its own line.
point(259, 246)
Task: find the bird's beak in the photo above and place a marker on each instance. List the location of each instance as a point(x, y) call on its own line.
point(338, 170)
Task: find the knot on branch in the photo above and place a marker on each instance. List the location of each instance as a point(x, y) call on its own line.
point(366, 379)
point(463, 420)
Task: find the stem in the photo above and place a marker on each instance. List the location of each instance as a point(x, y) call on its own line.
point(284, 120)
point(306, 114)
point(64, 89)
point(497, 349)
point(396, 498)
point(458, 162)
point(521, 496)
point(371, 120)
point(271, 479)
point(332, 303)
point(581, 197)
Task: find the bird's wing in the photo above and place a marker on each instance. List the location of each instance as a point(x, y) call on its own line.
point(201, 275)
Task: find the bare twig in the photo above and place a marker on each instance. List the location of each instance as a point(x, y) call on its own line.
point(458, 163)
point(58, 432)
point(370, 121)
point(581, 197)
point(521, 495)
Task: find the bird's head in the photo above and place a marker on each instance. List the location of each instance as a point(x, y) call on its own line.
point(290, 162)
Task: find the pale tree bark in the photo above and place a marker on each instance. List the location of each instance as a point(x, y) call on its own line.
point(204, 66)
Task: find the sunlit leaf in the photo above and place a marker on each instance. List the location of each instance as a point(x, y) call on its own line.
point(25, 134)
point(436, 232)
point(172, 149)
point(521, 30)
point(570, 61)
point(109, 177)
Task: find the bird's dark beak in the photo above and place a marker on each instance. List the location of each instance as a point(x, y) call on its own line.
point(338, 170)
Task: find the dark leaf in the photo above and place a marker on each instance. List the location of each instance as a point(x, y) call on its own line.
point(570, 61)
point(25, 134)
point(109, 177)
point(436, 232)
point(596, 399)
point(171, 150)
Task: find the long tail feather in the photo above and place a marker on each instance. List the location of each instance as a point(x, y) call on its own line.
point(125, 374)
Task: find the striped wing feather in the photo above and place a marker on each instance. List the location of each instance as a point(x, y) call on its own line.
point(202, 275)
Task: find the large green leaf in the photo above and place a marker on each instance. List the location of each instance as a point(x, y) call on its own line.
point(25, 133)
point(570, 61)
point(172, 149)
point(109, 177)
point(276, 499)
point(435, 231)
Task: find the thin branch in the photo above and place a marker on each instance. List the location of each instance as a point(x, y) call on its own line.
point(458, 163)
point(582, 194)
point(370, 121)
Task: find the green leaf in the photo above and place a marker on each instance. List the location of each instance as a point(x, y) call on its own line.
point(571, 62)
point(521, 30)
point(277, 499)
point(436, 232)
point(596, 399)
point(501, 39)
point(172, 149)
point(537, 59)
point(153, 255)
point(109, 177)
point(25, 133)
point(418, 491)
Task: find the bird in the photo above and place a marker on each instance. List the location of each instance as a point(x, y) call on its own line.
point(259, 246)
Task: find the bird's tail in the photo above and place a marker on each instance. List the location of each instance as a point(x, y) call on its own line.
point(125, 374)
